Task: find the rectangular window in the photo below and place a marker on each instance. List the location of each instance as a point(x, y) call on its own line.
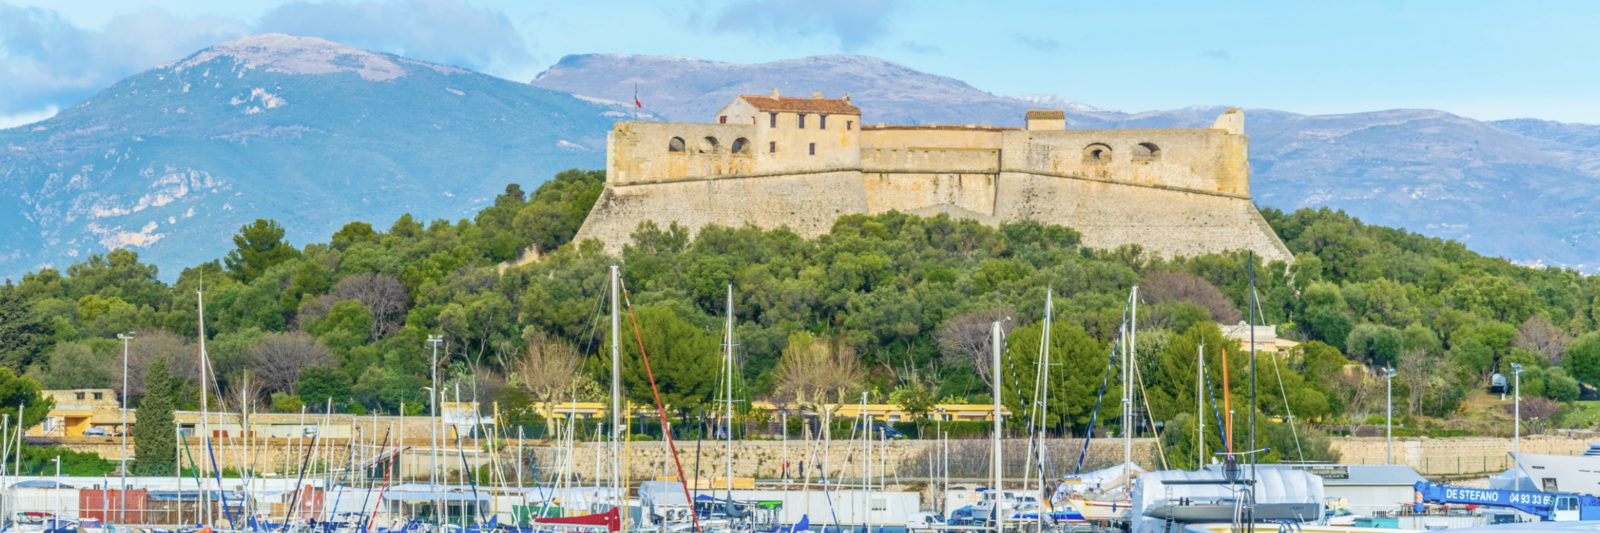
point(772, 147)
point(722, 120)
point(774, 120)
point(80, 396)
point(98, 395)
point(849, 124)
point(802, 122)
point(813, 148)
point(822, 122)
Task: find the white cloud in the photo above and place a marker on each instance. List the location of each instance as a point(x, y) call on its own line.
point(27, 117)
point(854, 23)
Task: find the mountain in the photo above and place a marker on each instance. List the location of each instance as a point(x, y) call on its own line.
point(1524, 189)
point(171, 161)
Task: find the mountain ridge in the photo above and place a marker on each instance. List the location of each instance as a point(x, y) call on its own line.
point(312, 133)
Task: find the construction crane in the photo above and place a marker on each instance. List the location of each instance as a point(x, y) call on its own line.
point(1548, 506)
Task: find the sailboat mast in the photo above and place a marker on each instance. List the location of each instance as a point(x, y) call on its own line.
point(1129, 340)
point(205, 428)
point(1200, 406)
point(728, 395)
point(994, 460)
point(616, 382)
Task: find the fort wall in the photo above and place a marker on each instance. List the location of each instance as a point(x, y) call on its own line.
point(1171, 191)
point(806, 203)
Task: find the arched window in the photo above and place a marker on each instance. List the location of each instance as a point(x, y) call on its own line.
point(708, 145)
point(675, 145)
point(1146, 151)
point(1096, 153)
point(741, 146)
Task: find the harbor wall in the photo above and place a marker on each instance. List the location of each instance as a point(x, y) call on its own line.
point(1454, 455)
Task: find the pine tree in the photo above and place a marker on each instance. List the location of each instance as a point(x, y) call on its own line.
point(153, 437)
point(259, 246)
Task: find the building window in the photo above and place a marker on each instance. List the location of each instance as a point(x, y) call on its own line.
point(849, 124)
point(774, 120)
point(722, 120)
point(99, 395)
point(822, 122)
point(1096, 153)
point(1146, 152)
point(813, 148)
point(80, 396)
point(802, 121)
point(772, 147)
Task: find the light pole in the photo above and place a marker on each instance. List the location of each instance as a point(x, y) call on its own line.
point(1388, 415)
point(123, 515)
point(433, 403)
point(1516, 409)
point(57, 492)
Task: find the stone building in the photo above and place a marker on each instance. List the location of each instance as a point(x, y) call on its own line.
point(776, 161)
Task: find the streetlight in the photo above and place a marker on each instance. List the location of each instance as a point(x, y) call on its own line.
point(1388, 415)
point(1516, 409)
point(433, 403)
point(125, 338)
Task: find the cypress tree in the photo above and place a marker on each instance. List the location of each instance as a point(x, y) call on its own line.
point(153, 438)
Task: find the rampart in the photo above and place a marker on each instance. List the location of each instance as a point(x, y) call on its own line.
point(1170, 191)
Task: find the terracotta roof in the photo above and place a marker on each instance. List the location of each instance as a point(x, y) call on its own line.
point(832, 106)
point(1035, 114)
point(881, 127)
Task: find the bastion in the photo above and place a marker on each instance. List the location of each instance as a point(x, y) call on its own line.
point(802, 162)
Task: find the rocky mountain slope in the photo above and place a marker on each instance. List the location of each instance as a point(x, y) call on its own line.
point(1524, 189)
point(314, 134)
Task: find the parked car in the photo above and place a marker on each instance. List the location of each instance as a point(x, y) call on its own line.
point(924, 522)
point(96, 432)
point(888, 432)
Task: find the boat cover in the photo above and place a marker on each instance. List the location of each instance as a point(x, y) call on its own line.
point(609, 519)
point(662, 493)
point(1110, 479)
point(1273, 485)
point(1514, 479)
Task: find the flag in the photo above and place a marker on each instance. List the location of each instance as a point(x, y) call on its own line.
point(636, 102)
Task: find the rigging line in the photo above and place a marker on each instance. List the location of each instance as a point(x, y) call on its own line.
point(1256, 299)
point(223, 494)
point(1145, 397)
point(1221, 429)
point(1095, 416)
point(294, 501)
point(661, 411)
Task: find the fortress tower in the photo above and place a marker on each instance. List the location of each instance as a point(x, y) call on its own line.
point(803, 162)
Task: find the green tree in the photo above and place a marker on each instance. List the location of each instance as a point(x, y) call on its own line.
point(683, 359)
point(1375, 343)
point(1583, 358)
point(1074, 384)
point(318, 384)
point(257, 247)
point(154, 437)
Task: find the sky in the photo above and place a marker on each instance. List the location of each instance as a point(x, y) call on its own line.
point(1482, 60)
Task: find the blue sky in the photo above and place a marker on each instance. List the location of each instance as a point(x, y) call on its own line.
point(1478, 59)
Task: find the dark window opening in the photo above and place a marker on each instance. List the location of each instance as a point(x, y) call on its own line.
point(675, 145)
point(99, 395)
point(772, 147)
point(802, 122)
point(849, 124)
point(741, 146)
point(80, 396)
point(822, 122)
point(813, 148)
point(722, 120)
point(774, 120)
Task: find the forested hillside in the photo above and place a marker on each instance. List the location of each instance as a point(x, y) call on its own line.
point(895, 305)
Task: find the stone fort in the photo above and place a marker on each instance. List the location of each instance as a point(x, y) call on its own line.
point(802, 162)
